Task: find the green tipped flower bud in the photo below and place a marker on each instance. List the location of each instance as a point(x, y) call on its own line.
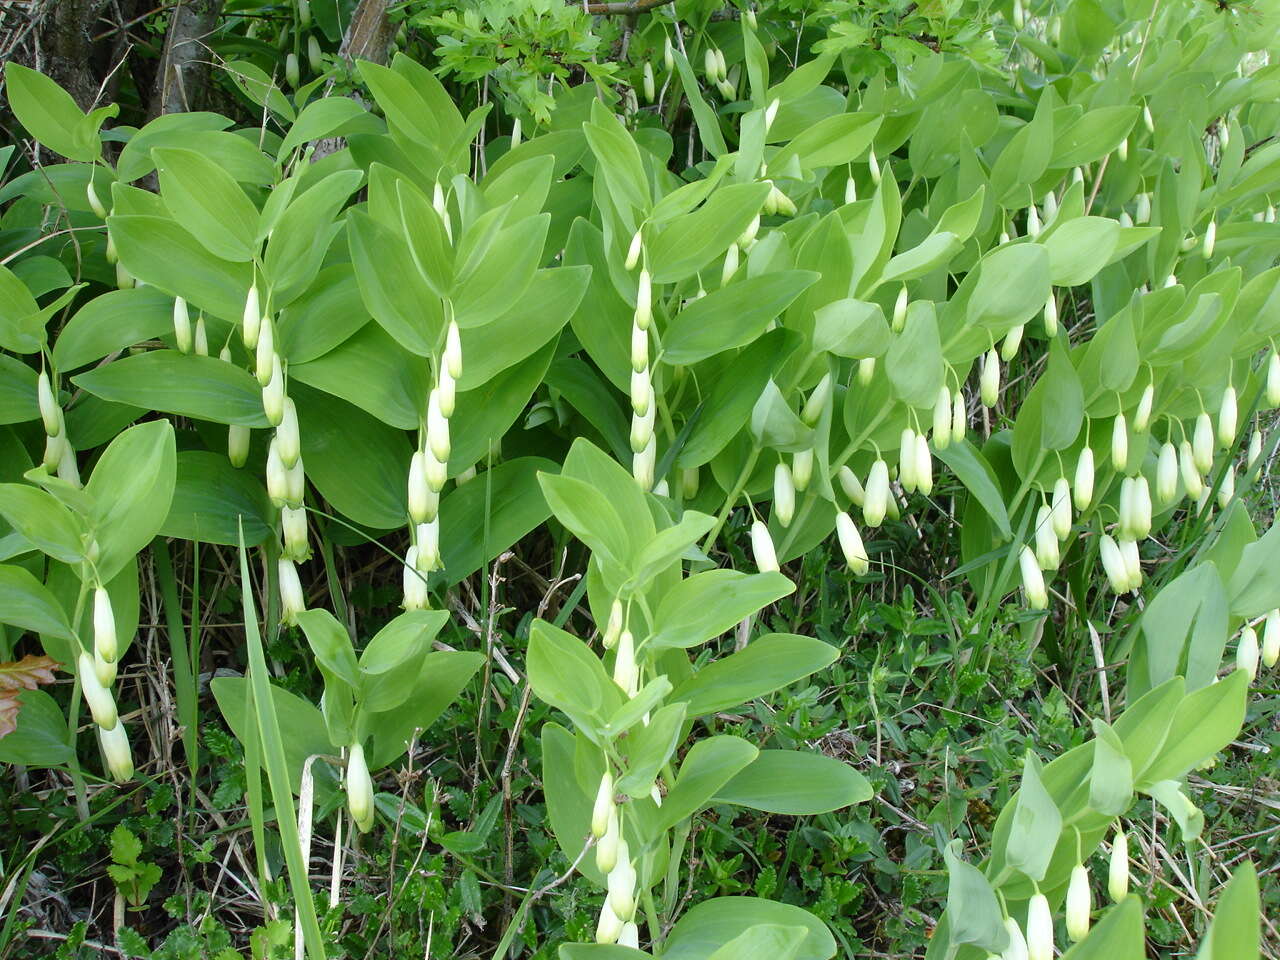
point(644, 300)
point(866, 370)
point(613, 630)
point(415, 585)
point(181, 325)
point(50, 412)
point(1202, 443)
point(1227, 489)
point(1119, 442)
point(609, 926)
point(1118, 868)
point(633, 252)
point(722, 68)
point(200, 344)
point(1271, 639)
point(277, 476)
point(607, 848)
point(104, 625)
point(1227, 418)
point(1247, 652)
point(446, 387)
point(1061, 508)
point(1167, 475)
point(710, 66)
point(942, 419)
point(1039, 929)
point(1047, 554)
point(621, 882)
point(1255, 448)
point(1032, 580)
point(292, 599)
point(273, 394)
point(603, 806)
point(851, 486)
point(876, 501)
point(1012, 340)
point(53, 448)
point(304, 13)
point(850, 191)
point(762, 548)
point(649, 86)
point(642, 428)
point(1125, 220)
point(900, 311)
point(288, 440)
point(668, 54)
point(817, 401)
point(1147, 120)
point(292, 71)
point(437, 428)
point(1210, 236)
point(102, 706)
point(1051, 316)
point(1192, 480)
point(359, 789)
point(1142, 416)
point(630, 935)
point(1079, 903)
point(689, 482)
point(124, 279)
point(989, 379)
point(106, 670)
point(907, 473)
point(748, 236)
point(644, 463)
point(1140, 508)
point(293, 524)
point(1273, 380)
point(91, 194)
point(237, 444)
point(67, 468)
point(802, 468)
point(1132, 563)
point(641, 392)
point(1017, 946)
point(1142, 213)
point(959, 417)
point(1033, 222)
point(1113, 564)
point(422, 498)
point(873, 166)
point(251, 322)
point(730, 265)
point(427, 539)
point(639, 348)
point(115, 750)
point(1019, 17)
point(265, 353)
point(855, 553)
point(923, 465)
point(784, 494)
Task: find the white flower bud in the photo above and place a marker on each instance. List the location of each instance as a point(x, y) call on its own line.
point(855, 553)
point(748, 236)
point(1032, 580)
point(802, 468)
point(292, 70)
point(251, 322)
point(762, 548)
point(1017, 947)
point(1012, 340)
point(1079, 903)
point(1132, 563)
point(959, 417)
point(1047, 554)
point(1142, 212)
point(850, 191)
point(689, 482)
point(295, 479)
point(942, 419)
point(644, 463)
point(106, 670)
point(288, 442)
point(515, 133)
point(876, 500)
point(273, 394)
point(50, 412)
point(1247, 652)
point(292, 599)
point(907, 472)
point(1051, 316)
point(1192, 481)
point(237, 444)
point(277, 476)
point(607, 848)
point(621, 882)
point(1140, 508)
point(630, 935)
point(115, 749)
point(200, 345)
point(1119, 442)
point(1124, 219)
point(642, 428)
point(866, 370)
point(453, 350)
point(265, 355)
point(437, 428)
point(359, 789)
point(1227, 488)
point(873, 166)
point(1039, 929)
point(1271, 639)
point(1142, 416)
point(102, 706)
point(95, 204)
point(648, 85)
point(1167, 475)
point(446, 391)
point(1227, 418)
point(923, 465)
point(1255, 448)
point(420, 494)
point(710, 65)
point(1122, 151)
point(730, 265)
point(293, 523)
point(1202, 443)
point(1210, 235)
point(1113, 564)
point(415, 585)
point(104, 625)
point(1147, 120)
point(427, 539)
point(603, 806)
point(1061, 508)
point(817, 401)
point(784, 494)
point(989, 379)
point(641, 392)
point(1050, 205)
point(53, 448)
point(608, 927)
point(1033, 221)
point(124, 279)
point(900, 311)
point(644, 300)
point(626, 674)
point(633, 252)
point(851, 485)
point(1019, 18)
point(639, 348)
point(1273, 380)
point(182, 325)
point(1118, 868)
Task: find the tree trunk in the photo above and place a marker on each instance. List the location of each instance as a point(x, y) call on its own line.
point(370, 32)
point(56, 39)
point(182, 80)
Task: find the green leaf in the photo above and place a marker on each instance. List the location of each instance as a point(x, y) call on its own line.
point(618, 160)
point(795, 783)
point(327, 117)
point(393, 290)
point(210, 497)
point(27, 604)
point(688, 243)
point(707, 604)
point(732, 316)
point(207, 202)
point(707, 926)
point(443, 675)
point(649, 747)
point(1117, 936)
point(330, 643)
point(764, 940)
point(1036, 824)
point(670, 545)
point(914, 361)
point(51, 115)
point(17, 391)
point(975, 916)
point(1079, 248)
point(1235, 931)
point(42, 521)
point(703, 115)
point(1111, 776)
point(187, 385)
point(768, 663)
point(1254, 591)
point(1204, 723)
point(131, 489)
point(972, 469)
point(40, 739)
point(1095, 134)
point(934, 251)
point(708, 766)
point(567, 675)
point(1012, 286)
point(300, 240)
point(113, 321)
point(829, 142)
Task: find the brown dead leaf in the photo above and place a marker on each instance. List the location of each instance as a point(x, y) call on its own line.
point(8, 711)
point(27, 673)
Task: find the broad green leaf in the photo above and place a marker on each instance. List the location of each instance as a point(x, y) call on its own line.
point(649, 747)
point(42, 521)
point(299, 241)
point(707, 604)
point(972, 469)
point(707, 926)
point(51, 115)
point(394, 291)
point(708, 766)
point(131, 489)
point(766, 664)
point(40, 739)
point(370, 370)
point(210, 497)
point(688, 243)
point(330, 644)
point(27, 604)
point(617, 159)
point(328, 117)
point(208, 203)
point(1235, 931)
point(829, 142)
point(1111, 776)
point(1117, 936)
point(795, 783)
point(567, 675)
point(442, 675)
point(1036, 824)
point(589, 515)
point(914, 360)
point(184, 384)
point(1205, 722)
point(113, 321)
point(1012, 286)
point(732, 316)
point(1079, 249)
point(17, 391)
point(975, 916)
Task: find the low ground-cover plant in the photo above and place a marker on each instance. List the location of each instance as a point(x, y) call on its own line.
point(853, 297)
